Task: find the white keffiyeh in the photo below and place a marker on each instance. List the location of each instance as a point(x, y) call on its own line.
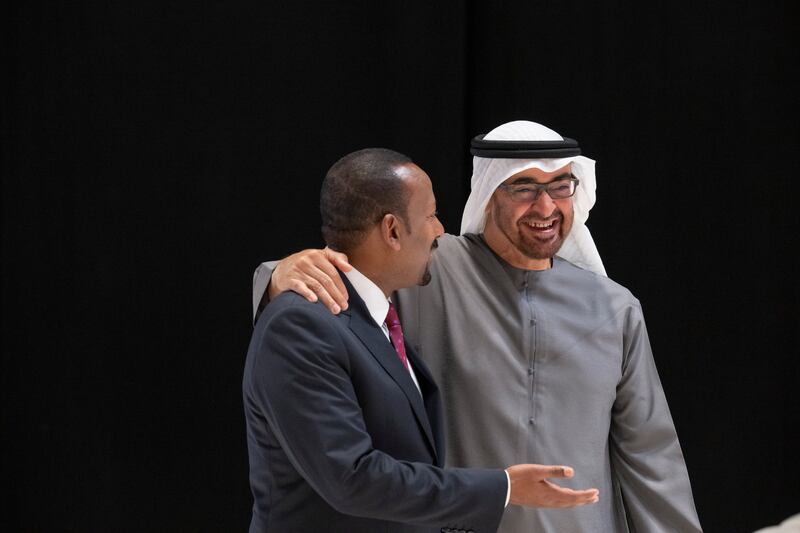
point(488, 173)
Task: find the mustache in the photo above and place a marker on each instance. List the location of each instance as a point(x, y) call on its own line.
point(556, 215)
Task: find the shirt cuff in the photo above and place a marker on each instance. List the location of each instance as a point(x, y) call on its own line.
point(508, 492)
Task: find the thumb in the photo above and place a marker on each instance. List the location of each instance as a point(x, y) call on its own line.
point(338, 259)
point(557, 471)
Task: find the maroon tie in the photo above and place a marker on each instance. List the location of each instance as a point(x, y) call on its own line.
point(396, 334)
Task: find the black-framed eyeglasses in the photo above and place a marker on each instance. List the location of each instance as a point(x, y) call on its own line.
point(529, 192)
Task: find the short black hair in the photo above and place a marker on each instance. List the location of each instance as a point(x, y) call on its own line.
point(357, 192)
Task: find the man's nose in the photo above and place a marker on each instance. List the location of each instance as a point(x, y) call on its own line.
point(439, 228)
point(543, 205)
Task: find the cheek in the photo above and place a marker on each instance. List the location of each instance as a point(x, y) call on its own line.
point(513, 214)
point(567, 210)
point(568, 213)
point(505, 214)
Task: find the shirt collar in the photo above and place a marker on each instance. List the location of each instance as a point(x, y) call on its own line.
point(373, 296)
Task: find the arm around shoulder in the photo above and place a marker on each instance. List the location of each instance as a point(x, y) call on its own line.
point(310, 273)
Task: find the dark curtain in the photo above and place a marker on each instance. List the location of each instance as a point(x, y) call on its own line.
point(154, 154)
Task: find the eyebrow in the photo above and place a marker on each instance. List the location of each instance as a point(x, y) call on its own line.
point(527, 179)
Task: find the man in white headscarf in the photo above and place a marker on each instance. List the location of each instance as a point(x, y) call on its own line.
point(540, 357)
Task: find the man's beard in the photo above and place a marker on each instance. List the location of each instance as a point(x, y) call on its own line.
point(535, 248)
point(426, 276)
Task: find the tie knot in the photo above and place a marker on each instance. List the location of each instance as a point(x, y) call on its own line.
point(392, 320)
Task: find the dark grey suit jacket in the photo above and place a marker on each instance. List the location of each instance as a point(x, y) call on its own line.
point(340, 439)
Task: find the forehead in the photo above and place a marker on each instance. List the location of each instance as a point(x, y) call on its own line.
point(418, 184)
point(538, 175)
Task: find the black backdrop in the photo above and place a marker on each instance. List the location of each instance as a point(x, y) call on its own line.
point(152, 155)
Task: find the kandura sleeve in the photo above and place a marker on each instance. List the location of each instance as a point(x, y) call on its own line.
point(261, 278)
point(645, 454)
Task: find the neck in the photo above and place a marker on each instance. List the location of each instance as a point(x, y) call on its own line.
point(508, 252)
point(374, 270)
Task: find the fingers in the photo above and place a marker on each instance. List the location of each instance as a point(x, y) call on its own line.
point(313, 275)
point(326, 273)
point(561, 497)
point(328, 291)
point(530, 487)
point(339, 260)
point(302, 289)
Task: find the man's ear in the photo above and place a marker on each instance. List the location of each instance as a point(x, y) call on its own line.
point(390, 231)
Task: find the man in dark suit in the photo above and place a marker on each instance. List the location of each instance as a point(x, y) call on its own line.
point(344, 422)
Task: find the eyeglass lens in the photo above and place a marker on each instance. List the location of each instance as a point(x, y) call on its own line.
point(530, 191)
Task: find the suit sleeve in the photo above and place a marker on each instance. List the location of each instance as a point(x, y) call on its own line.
point(645, 453)
point(301, 382)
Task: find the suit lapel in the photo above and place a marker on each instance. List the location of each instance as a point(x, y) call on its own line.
point(375, 341)
point(432, 401)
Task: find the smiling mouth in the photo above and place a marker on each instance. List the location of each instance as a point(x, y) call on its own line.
point(541, 225)
point(538, 226)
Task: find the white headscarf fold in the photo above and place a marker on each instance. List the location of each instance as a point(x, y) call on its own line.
point(487, 173)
